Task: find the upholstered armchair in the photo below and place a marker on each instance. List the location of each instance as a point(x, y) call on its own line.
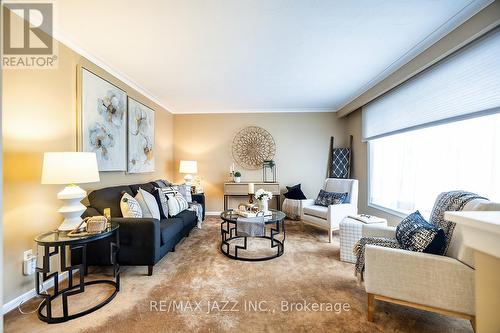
point(328, 218)
point(442, 284)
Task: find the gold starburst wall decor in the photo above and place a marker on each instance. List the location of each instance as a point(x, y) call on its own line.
point(252, 146)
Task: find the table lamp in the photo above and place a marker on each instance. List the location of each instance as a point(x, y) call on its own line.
point(188, 167)
point(70, 168)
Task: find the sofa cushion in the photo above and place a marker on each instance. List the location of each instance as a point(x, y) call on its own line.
point(149, 187)
point(161, 183)
point(188, 217)
point(108, 197)
point(170, 229)
point(318, 211)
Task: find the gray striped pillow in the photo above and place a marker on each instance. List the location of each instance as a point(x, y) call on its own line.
point(176, 203)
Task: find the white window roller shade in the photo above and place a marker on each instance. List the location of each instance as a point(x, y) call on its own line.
point(461, 85)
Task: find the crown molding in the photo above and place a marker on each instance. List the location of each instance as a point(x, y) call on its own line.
point(254, 110)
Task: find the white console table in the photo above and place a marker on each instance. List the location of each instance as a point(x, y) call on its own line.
point(481, 232)
point(241, 190)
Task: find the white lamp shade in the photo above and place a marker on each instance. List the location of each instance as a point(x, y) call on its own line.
point(69, 168)
point(188, 167)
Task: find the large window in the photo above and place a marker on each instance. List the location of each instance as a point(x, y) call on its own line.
point(408, 170)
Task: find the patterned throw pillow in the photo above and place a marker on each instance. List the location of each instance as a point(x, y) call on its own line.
point(176, 203)
point(330, 198)
point(130, 207)
point(414, 233)
point(184, 190)
point(148, 204)
point(161, 200)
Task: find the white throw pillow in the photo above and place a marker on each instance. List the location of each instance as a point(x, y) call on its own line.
point(176, 203)
point(130, 207)
point(148, 204)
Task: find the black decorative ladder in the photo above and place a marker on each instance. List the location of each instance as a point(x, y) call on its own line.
point(340, 160)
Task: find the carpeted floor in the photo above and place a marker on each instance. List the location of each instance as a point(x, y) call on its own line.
point(198, 289)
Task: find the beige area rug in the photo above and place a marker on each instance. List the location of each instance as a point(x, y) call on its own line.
point(198, 289)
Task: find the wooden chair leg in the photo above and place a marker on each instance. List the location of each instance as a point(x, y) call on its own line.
point(150, 270)
point(371, 307)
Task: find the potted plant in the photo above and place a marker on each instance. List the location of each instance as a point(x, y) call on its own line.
point(263, 197)
point(237, 177)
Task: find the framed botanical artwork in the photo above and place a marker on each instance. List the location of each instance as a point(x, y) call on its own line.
point(141, 137)
point(103, 121)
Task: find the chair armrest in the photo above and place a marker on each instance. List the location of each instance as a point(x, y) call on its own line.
point(378, 230)
point(421, 278)
point(337, 213)
point(139, 240)
point(307, 202)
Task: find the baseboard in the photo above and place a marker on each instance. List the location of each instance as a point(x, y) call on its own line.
point(11, 305)
point(212, 213)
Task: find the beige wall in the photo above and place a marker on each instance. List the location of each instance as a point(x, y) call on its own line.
point(302, 141)
point(39, 114)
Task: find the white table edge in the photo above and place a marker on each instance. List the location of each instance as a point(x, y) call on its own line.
point(481, 229)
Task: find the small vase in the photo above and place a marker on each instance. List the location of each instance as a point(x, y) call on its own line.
point(264, 205)
point(237, 179)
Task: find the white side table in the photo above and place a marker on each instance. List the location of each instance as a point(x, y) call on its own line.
point(350, 233)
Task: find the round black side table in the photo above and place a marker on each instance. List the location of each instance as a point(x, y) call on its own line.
point(57, 242)
point(228, 228)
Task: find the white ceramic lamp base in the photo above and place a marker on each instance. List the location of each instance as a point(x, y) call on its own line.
point(188, 179)
point(72, 208)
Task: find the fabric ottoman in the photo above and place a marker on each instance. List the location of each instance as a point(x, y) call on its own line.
point(350, 233)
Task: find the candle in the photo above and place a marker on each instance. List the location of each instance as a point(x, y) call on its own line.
point(251, 188)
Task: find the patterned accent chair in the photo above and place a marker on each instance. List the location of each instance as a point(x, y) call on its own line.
point(442, 284)
point(328, 218)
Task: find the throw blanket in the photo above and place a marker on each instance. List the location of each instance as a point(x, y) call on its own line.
point(292, 208)
point(250, 226)
point(198, 209)
point(450, 201)
point(447, 201)
point(359, 251)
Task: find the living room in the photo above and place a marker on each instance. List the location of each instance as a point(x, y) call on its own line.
point(250, 166)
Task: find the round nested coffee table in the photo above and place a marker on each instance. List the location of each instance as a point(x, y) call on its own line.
point(231, 242)
point(56, 242)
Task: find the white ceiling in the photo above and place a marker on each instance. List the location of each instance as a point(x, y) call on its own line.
point(195, 56)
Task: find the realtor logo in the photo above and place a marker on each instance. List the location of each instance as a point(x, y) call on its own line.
point(27, 35)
